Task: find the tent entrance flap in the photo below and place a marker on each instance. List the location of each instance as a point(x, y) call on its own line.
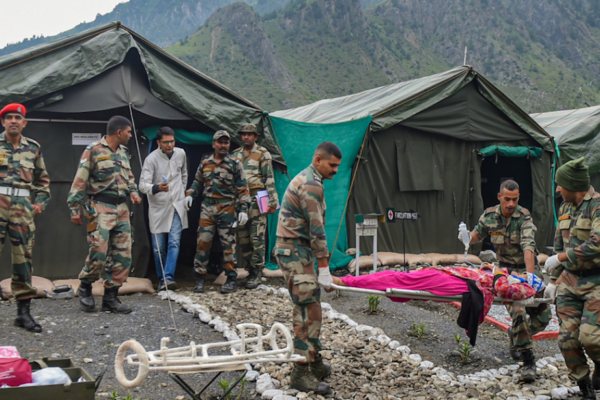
point(495, 170)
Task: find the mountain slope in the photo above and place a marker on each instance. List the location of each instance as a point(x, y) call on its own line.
point(544, 54)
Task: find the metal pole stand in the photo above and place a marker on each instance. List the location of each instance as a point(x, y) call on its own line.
point(196, 396)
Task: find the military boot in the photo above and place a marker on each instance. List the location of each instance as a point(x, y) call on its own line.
point(199, 288)
point(596, 376)
point(304, 380)
point(320, 369)
point(587, 389)
point(513, 350)
point(110, 302)
point(24, 318)
point(528, 368)
point(230, 286)
point(254, 279)
point(86, 299)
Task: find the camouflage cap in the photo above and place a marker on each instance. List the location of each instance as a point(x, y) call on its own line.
point(248, 128)
point(220, 134)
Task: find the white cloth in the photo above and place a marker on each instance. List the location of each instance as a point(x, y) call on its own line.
point(164, 204)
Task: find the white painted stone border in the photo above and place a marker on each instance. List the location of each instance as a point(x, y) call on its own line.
point(268, 390)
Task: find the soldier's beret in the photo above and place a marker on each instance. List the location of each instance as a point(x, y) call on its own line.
point(13, 108)
point(220, 134)
point(251, 128)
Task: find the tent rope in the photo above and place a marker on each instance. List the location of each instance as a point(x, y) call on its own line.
point(349, 192)
point(162, 267)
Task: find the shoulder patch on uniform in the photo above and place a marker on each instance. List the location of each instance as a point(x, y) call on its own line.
point(524, 211)
point(527, 217)
point(92, 145)
point(83, 160)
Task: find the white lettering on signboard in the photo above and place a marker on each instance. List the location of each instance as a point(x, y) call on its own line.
point(83, 139)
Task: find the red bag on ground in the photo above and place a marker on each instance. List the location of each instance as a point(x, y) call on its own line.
point(14, 371)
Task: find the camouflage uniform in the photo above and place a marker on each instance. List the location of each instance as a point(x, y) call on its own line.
point(21, 168)
point(510, 242)
point(259, 173)
point(106, 177)
point(578, 294)
point(300, 239)
point(221, 184)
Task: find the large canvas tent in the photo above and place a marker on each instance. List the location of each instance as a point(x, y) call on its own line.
point(73, 85)
point(439, 145)
point(577, 134)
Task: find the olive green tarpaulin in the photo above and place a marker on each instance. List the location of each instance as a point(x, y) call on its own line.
point(49, 68)
point(576, 132)
point(72, 86)
point(298, 141)
point(422, 154)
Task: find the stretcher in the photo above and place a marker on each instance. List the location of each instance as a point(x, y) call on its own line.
point(195, 358)
point(424, 295)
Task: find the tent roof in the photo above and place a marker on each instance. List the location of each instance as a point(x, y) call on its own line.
point(51, 67)
point(392, 104)
point(577, 133)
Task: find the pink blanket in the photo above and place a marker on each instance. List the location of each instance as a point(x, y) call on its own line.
point(433, 281)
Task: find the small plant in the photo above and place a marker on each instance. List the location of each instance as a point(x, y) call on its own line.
point(243, 390)
point(225, 386)
point(465, 350)
point(374, 301)
point(115, 396)
point(418, 331)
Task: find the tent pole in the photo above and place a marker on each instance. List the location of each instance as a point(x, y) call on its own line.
point(362, 147)
point(162, 267)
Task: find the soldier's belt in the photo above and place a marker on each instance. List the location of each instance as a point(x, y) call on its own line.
point(115, 201)
point(210, 200)
point(11, 191)
point(585, 273)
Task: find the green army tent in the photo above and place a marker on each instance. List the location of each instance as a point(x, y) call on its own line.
point(72, 86)
point(439, 145)
point(577, 134)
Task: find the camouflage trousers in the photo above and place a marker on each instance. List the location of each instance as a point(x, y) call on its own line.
point(297, 263)
point(109, 241)
point(251, 238)
point(216, 216)
point(578, 306)
point(16, 219)
point(528, 321)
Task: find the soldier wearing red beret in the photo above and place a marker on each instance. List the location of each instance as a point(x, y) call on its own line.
point(24, 192)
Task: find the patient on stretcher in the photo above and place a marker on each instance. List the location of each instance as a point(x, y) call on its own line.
point(490, 281)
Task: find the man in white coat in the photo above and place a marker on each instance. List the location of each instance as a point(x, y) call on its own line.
point(163, 180)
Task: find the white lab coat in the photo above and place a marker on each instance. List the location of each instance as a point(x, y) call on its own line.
point(164, 204)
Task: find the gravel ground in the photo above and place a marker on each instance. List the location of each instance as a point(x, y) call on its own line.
point(97, 336)
point(396, 320)
point(71, 333)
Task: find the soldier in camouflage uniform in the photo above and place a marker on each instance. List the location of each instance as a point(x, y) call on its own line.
point(222, 182)
point(300, 239)
point(576, 271)
point(24, 192)
point(512, 234)
point(104, 174)
point(259, 173)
